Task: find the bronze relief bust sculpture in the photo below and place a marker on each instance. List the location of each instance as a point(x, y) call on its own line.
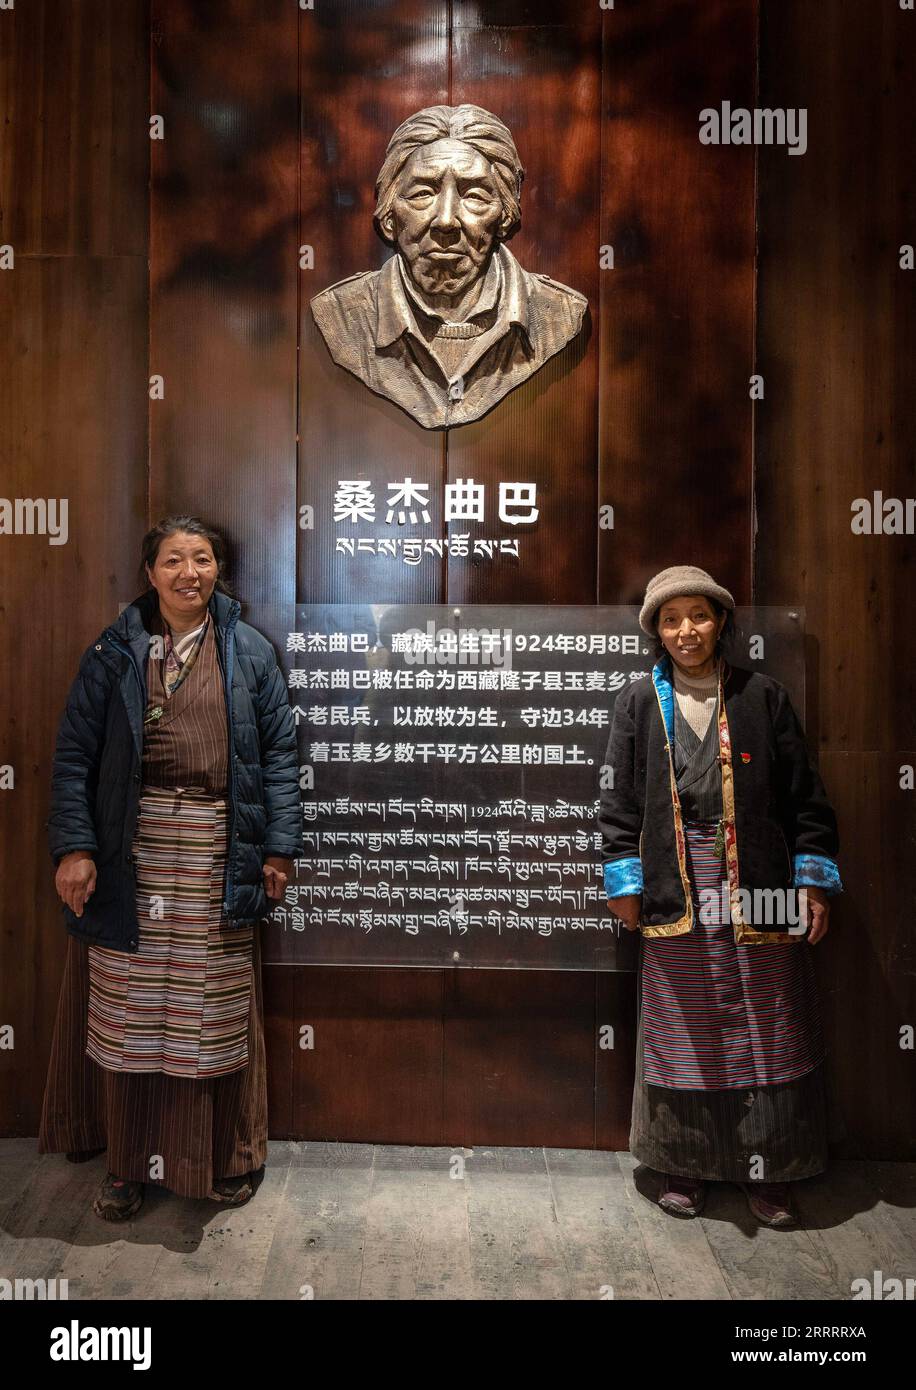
point(452, 322)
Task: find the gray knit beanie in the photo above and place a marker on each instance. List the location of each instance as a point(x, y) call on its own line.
point(674, 583)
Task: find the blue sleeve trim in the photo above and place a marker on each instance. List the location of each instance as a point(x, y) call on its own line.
point(622, 878)
point(661, 679)
point(817, 871)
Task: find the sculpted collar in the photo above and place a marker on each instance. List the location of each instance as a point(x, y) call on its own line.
point(504, 287)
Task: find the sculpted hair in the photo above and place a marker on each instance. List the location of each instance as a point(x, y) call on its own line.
point(480, 129)
point(149, 547)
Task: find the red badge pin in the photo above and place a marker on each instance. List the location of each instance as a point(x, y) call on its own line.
point(745, 757)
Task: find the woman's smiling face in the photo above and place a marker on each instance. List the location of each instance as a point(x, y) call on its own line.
point(184, 573)
point(688, 628)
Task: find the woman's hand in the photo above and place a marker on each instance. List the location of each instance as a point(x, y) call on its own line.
point(818, 914)
point(276, 874)
point(627, 909)
point(75, 880)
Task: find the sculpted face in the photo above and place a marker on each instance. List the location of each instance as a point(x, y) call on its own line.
point(445, 217)
point(446, 208)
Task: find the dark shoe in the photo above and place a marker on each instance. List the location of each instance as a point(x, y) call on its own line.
point(233, 1192)
point(118, 1199)
point(681, 1196)
point(83, 1155)
point(770, 1203)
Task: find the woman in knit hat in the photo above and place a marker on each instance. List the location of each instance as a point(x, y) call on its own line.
point(715, 820)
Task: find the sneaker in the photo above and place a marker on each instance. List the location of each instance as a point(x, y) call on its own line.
point(681, 1196)
point(770, 1203)
point(117, 1199)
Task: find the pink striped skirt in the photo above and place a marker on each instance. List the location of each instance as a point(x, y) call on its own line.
point(179, 1005)
point(716, 1015)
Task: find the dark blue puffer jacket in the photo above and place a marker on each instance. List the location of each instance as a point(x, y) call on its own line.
point(95, 785)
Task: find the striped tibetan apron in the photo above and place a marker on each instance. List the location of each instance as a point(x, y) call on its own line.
point(718, 1015)
point(180, 1004)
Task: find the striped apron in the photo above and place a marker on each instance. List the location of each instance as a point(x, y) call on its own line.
point(180, 1004)
point(730, 1060)
point(719, 1015)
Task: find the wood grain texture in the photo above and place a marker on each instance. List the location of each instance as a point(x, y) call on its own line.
point(837, 348)
point(356, 1222)
point(677, 312)
point(73, 425)
point(224, 286)
point(376, 1066)
point(74, 110)
point(866, 966)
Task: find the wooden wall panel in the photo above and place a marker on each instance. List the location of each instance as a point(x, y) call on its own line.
point(867, 963)
point(653, 416)
point(837, 347)
point(73, 197)
point(615, 1055)
point(677, 312)
point(74, 162)
point(520, 1054)
point(224, 284)
point(544, 77)
point(375, 1071)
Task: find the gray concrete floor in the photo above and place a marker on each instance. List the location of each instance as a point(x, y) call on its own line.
point(360, 1221)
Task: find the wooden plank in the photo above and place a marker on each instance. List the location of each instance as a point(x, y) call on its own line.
point(615, 1009)
point(606, 1253)
point(866, 965)
point(859, 1217)
point(676, 314)
point(416, 1233)
point(517, 1251)
point(836, 344)
point(755, 1259)
point(74, 98)
point(319, 1242)
point(43, 1220)
point(72, 427)
point(519, 1057)
point(376, 1065)
point(683, 1264)
point(224, 284)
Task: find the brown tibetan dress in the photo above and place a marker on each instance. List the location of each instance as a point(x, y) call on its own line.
point(159, 1055)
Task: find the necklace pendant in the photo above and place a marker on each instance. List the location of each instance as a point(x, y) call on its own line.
point(720, 838)
point(154, 713)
